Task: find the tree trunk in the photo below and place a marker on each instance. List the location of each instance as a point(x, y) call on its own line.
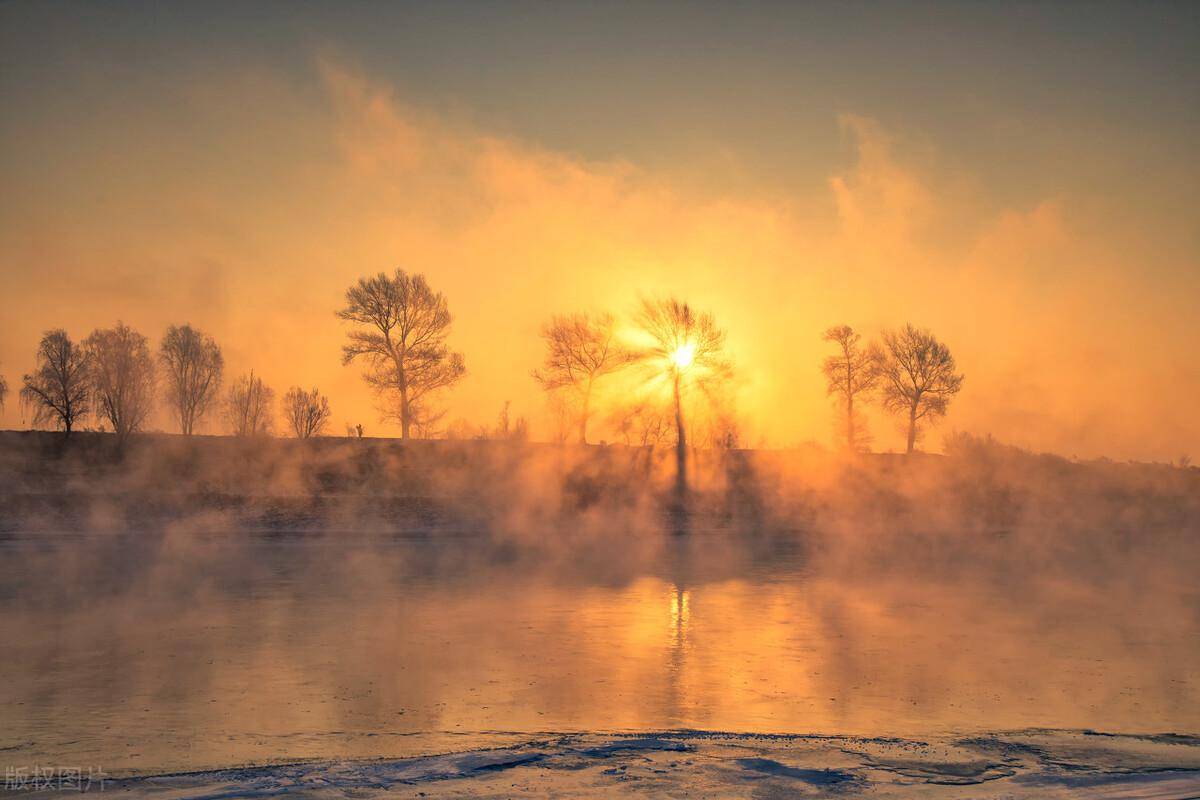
point(405, 418)
point(912, 427)
point(583, 416)
point(680, 447)
point(850, 422)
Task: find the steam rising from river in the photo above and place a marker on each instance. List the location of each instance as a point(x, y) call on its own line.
point(194, 603)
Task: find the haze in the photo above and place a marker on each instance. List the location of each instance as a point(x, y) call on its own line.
point(1020, 179)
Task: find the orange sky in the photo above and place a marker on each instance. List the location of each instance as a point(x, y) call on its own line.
point(248, 198)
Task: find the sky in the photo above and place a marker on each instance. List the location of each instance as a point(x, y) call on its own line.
point(1020, 178)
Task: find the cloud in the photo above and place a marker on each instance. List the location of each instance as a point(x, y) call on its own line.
point(881, 204)
point(256, 238)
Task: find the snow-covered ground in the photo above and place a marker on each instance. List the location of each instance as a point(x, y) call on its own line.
point(1028, 764)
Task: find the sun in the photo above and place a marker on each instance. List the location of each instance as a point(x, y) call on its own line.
point(683, 357)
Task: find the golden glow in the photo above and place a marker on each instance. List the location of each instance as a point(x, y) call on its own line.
point(1038, 296)
point(680, 611)
point(683, 357)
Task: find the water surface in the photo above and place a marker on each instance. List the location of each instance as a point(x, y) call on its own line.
point(173, 650)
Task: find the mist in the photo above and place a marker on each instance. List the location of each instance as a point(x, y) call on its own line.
point(577, 400)
point(211, 598)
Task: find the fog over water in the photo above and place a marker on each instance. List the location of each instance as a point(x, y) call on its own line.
point(168, 611)
point(875, 324)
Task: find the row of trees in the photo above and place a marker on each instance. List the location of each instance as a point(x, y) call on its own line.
point(402, 326)
point(112, 376)
point(909, 372)
point(399, 329)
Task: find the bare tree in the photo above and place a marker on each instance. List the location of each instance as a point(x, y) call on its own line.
point(403, 339)
point(720, 428)
point(3, 391)
point(918, 376)
point(461, 430)
point(123, 377)
point(851, 374)
point(248, 405)
point(306, 412)
point(424, 422)
point(643, 423)
point(59, 389)
point(561, 418)
point(193, 365)
point(579, 350)
point(508, 429)
point(687, 348)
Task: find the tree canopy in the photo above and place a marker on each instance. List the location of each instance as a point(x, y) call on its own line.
point(401, 334)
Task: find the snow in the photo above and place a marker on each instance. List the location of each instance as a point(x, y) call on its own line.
point(1027, 764)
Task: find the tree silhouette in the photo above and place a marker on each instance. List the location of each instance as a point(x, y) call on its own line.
point(424, 420)
point(850, 375)
point(580, 349)
point(918, 376)
point(59, 389)
point(193, 365)
point(508, 429)
point(642, 423)
point(123, 377)
point(248, 407)
point(3, 391)
point(306, 412)
point(403, 339)
point(687, 348)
